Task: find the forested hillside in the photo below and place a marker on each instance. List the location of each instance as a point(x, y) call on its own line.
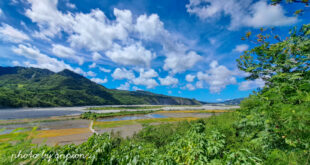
point(33, 87)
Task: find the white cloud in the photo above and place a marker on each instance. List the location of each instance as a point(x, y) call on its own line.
point(119, 39)
point(123, 73)
point(16, 63)
point(149, 27)
point(168, 81)
point(148, 73)
point(217, 77)
point(48, 18)
point(96, 56)
point(146, 78)
point(241, 12)
point(190, 87)
point(9, 33)
point(190, 78)
point(14, 2)
point(93, 65)
point(42, 60)
point(91, 74)
point(241, 48)
point(169, 92)
point(264, 15)
point(178, 63)
point(99, 80)
point(251, 84)
point(66, 52)
point(136, 88)
point(70, 5)
point(199, 84)
point(93, 30)
point(125, 86)
point(96, 32)
point(80, 71)
point(1, 12)
point(148, 82)
point(134, 54)
point(104, 70)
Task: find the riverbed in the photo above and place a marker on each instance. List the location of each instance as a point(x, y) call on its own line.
point(62, 125)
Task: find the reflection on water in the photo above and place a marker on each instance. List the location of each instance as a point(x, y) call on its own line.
point(133, 117)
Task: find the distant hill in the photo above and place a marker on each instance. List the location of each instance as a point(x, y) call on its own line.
point(232, 101)
point(33, 87)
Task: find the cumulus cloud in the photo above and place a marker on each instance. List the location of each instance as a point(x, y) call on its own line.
point(199, 84)
point(125, 86)
point(149, 27)
point(105, 70)
point(168, 81)
point(190, 77)
point(136, 88)
point(122, 73)
point(148, 82)
point(96, 32)
point(93, 65)
point(179, 63)
point(93, 30)
point(241, 48)
point(148, 73)
point(99, 80)
point(91, 74)
point(42, 60)
point(264, 15)
point(217, 77)
point(251, 84)
point(96, 56)
point(16, 63)
point(134, 54)
point(241, 12)
point(120, 39)
point(66, 52)
point(70, 5)
point(146, 78)
point(48, 18)
point(190, 87)
point(9, 33)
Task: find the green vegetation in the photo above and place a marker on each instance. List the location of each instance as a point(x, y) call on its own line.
point(112, 124)
point(125, 107)
point(91, 115)
point(32, 87)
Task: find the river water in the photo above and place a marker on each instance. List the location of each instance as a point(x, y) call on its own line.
point(22, 113)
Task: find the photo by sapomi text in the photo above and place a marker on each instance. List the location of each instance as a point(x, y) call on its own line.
point(47, 156)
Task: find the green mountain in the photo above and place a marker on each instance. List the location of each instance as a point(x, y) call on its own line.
point(33, 87)
point(232, 101)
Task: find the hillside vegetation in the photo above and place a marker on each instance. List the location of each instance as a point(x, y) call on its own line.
point(33, 87)
point(271, 127)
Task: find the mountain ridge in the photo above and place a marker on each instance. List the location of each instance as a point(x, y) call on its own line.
point(34, 87)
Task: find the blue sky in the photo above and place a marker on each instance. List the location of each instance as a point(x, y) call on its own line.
point(184, 48)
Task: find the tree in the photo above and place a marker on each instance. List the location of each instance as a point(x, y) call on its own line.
point(289, 57)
